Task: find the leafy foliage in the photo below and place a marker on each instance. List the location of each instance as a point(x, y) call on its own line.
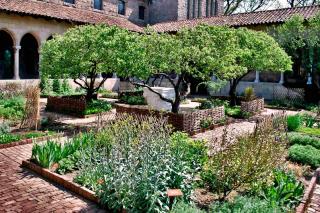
point(133, 100)
point(301, 139)
point(182, 207)
point(293, 122)
point(249, 94)
point(82, 53)
point(206, 123)
point(97, 106)
point(134, 164)
point(52, 152)
point(246, 160)
point(285, 192)
point(307, 155)
point(244, 204)
point(12, 108)
point(310, 131)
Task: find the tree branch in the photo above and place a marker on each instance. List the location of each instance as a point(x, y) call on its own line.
point(101, 83)
point(78, 83)
point(152, 90)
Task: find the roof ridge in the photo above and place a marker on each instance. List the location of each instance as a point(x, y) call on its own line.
point(237, 14)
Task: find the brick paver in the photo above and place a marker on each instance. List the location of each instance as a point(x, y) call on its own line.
point(314, 206)
point(24, 191)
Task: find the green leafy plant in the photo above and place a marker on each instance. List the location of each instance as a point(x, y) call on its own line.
point(12, 108)
point(244, 204)
point(47, 154)
point(302, 139)
point(284, 192)
point(293, 122)
point(65, 87)
point(108, 94)
point(183, 207)
point(9, 138)
point(133, 100)
point(206, 123)
point(97, 106)
point(249, 94)
point(243, 161)
point(56, 86)
point(70, 163)
point(307, 155)
point(137, 166)
point(310, 131)
point(4, 128)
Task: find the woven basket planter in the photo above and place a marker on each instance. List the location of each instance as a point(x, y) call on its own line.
point(253, 107)
point(188, 122)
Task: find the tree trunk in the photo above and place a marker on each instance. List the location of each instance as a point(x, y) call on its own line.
point(232, 92)
point(176, 105)
point(90, 94)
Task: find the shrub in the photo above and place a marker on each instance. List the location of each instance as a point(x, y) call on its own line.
point(212, 103)
point(97, 106)
point(249, 94)
point(45, 85)
point(182, 207)
point(108, 94)
point(65, 87)
point(12, 108)
point(284, 192)
point(233, 112)
point(137, 166)
point(305, 154)
point(133, 100)
point(298, 138)
point(9, 138)
point(293, 122)
point(4, 128)
point(243, 161)
point(206, 105)
point(244, 204)
point(206, 123)
point(56, 86)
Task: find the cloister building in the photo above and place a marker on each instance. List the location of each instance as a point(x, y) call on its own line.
point(26, 24)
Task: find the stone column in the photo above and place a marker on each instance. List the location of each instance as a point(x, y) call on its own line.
point(281, 78)
point(257, 80)
point(16, 50)
point(114, 75)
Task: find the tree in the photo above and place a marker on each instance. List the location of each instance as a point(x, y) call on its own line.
point(152, 56)
point(82, 54)
point(232, 53)
point(301, 40)
point(234, 6)
point(300, 3)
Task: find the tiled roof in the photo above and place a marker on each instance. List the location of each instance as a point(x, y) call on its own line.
point(64, 13)
point(241, 19)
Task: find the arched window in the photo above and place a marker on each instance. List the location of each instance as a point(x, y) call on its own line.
point(121, 8)
point(141, 12)
point(6, 55)
point(97, 4)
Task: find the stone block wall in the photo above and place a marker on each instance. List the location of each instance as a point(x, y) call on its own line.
point(253, 106)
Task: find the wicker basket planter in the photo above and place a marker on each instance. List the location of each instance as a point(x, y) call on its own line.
point(253, 107)
point(187, 121)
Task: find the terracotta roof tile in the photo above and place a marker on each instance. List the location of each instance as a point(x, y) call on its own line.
point(65, 13)
point(241, 19)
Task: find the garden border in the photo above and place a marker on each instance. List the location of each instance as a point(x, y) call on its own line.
point(308, 193)
point(30, 140)
point(61, 181)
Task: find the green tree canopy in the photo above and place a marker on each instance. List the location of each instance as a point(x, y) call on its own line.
point(232, 53)
point(83, 53)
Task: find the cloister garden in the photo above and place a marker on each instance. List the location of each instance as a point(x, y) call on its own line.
point(149, 148)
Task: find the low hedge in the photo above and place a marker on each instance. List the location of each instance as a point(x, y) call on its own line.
point(298, 138)
point(305, 155)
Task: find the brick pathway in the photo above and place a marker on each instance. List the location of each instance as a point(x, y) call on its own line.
point(314, 206)
point(23, 191)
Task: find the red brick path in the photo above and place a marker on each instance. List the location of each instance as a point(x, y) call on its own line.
point(23, 191)
point(314, 206)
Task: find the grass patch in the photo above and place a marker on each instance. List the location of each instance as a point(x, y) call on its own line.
point(310, 131)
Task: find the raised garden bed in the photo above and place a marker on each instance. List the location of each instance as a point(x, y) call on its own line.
point(308, 192)
point(76, 106)
point(252, 107)
point(61, 180)
point(189, 122)
point(20, 139)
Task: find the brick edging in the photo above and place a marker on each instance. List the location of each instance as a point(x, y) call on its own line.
point(308, 193)
point(30, 140)
point(60, 180)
